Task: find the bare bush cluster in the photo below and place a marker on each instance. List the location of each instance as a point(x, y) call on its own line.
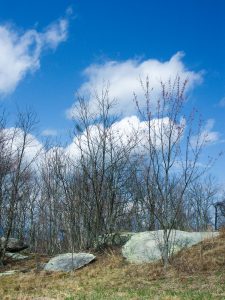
point(143, 179)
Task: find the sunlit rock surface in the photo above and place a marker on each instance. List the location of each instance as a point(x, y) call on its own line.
point(8, 273)
point(147, 246)
point(68, 262)
point(16, 256)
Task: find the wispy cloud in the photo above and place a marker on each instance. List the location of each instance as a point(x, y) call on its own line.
point(20, 52)
point(207, 136)
point(49, 132)
point(222, 102)
point(55, 33)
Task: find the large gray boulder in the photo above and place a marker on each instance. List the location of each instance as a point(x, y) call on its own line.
point(13, 245)
point(146, 246)
point(68, 262)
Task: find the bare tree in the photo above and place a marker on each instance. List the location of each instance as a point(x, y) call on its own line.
point(200, 198)
point(104, 160)
point(17, 143)
point(173, 150)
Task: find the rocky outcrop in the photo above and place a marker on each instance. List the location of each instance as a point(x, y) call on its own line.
point(146, 246)
point(68, 262)
point(13, 245)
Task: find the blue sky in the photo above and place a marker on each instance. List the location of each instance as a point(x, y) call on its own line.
point(127, 33)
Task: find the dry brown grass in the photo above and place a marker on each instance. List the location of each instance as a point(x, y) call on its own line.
point(222, 232)
point(206, 256)
point(196, 273)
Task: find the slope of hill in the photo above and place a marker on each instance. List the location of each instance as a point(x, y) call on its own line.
point(195, 273)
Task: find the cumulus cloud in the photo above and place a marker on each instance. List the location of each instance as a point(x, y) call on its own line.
point(14, 142)
point(124, 79)
point(133, 132)
point(130, 131)
point(20, 52)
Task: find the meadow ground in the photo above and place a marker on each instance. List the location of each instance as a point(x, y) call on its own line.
point(197, 273)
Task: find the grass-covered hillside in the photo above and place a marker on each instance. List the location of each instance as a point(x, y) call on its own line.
point(195, 273)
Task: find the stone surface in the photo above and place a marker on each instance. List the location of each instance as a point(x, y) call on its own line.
point(16, 256)
point(145, 247)
point(7, 273)
point(68, 262)
point(114, 239)
point(13, 245)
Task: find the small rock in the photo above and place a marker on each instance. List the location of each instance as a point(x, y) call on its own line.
point(13, 245)
point(7, 273)
point(16, 256)
point(68, 262)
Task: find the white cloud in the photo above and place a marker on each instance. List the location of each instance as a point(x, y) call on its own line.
point(49, 132)
point(130, 131)
point(20, 52)
point(124, 79)
point(14, 142)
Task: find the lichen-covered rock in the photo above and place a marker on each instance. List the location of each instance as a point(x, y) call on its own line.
point(113, 239)
point(13, 245)
point(68, 262)
point(146, 246)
